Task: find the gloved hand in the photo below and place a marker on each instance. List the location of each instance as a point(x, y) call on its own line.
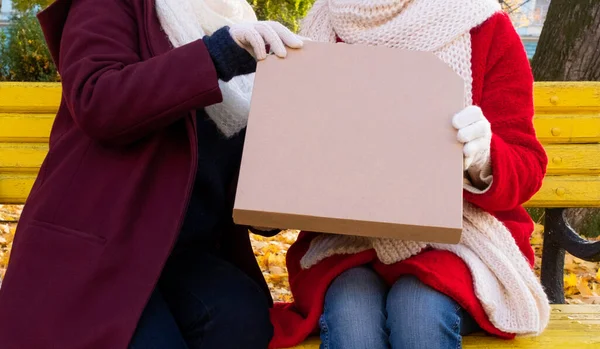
point(255, 36)
point(475, 132)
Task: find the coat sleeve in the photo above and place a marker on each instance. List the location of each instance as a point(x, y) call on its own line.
point(113, 95)
point(518, 159)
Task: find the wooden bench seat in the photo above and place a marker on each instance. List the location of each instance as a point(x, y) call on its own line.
point(571, 326)
point(567, 122)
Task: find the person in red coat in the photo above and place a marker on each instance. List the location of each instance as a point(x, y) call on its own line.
point(126, 239)
point(364, 293)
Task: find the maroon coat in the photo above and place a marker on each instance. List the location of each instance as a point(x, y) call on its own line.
point(108, 203)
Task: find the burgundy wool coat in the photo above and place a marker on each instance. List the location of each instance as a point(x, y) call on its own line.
point(110, 197)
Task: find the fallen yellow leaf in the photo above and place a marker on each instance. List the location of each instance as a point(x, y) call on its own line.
point(571, 280)
point(584, 288)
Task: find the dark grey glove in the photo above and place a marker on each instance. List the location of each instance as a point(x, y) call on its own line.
point(229, 58)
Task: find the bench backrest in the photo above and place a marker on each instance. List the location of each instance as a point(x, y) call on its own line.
point(27, 111)
point(567, 122)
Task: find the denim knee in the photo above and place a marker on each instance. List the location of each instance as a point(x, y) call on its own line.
point(354, 312)
point(421, 317)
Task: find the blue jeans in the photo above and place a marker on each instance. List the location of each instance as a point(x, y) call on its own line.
point(362, 312)
point(204, 302)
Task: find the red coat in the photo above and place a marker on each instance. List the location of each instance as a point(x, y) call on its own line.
point(111, 194)
point(502, 87)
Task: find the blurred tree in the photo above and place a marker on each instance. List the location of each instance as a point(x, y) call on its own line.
point(27, 5)
point(288, 12)
point(513, 5)
point(569, 46)
point(518, 12)
point(23, 52)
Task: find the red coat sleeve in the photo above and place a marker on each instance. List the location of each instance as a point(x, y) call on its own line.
point(506, 98)
point(113, 95)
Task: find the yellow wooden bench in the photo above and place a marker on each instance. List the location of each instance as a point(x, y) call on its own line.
point(567, 122)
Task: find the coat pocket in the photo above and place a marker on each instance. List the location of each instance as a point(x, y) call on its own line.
point(50, 227)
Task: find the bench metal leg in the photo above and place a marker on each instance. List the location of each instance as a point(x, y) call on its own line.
point(553, 260)
point(558, 238)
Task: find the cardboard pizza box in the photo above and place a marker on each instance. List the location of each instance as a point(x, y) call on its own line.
point(353, 139)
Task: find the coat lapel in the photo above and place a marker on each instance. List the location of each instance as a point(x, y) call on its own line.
point(52, 20)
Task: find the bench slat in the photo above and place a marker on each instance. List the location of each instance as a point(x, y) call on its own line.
point(558, 97)
point(581, 159)
point(550, 128)
point(550, 97)
point(563, 332)
point(15, 187)
point(557, 191)
point(22, 157)
point(18, 97)
point(566, 309)
point(570, 337)
point(568, 128)
point(20, 127)
point(568, 191)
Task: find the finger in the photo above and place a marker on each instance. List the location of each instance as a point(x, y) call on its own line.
point(238, 36)
point(467, 116)
point(287, 36)
point(477, 130)
point(479, 145)
point(272, 39)
point(256, 41)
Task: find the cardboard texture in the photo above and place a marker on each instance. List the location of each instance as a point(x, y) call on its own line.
point(358, 140)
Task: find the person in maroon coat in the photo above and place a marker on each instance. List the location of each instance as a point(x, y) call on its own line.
point(126, 240)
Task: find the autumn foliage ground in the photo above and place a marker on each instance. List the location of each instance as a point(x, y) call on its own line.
point(582, 279)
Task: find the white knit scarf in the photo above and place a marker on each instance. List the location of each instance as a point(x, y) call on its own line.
point(503, 281)
point(185, 21)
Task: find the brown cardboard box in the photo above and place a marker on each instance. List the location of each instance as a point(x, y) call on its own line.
point(357, 140)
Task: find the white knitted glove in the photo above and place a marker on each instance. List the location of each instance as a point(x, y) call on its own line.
point(255, 36)
point(475, 132)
